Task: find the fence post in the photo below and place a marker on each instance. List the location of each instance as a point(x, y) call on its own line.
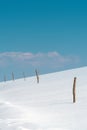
point(24, 76)
point(12, 76)
point(37, 76)
point(4, 78)
point(74, 90)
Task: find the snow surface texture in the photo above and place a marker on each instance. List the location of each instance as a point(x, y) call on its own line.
point(26, 105)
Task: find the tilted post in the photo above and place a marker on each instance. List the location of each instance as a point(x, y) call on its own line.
point(37, 76)
point(74, 90)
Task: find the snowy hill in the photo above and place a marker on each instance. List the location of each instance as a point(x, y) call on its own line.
point(26, 105)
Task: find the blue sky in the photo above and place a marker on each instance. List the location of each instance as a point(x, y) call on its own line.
point(50, 35)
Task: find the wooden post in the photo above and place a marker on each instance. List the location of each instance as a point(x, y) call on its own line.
point(24, 76)
point(12, 76)
point(4, 78)
point(74, 90)
point(37, 76)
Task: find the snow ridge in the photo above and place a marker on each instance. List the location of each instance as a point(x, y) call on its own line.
point(26, 105)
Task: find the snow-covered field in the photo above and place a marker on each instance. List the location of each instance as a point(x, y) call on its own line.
point(26, 105)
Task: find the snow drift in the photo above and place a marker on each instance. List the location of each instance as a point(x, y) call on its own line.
point(26, 105)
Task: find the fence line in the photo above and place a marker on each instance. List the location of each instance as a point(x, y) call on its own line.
point(5, 77)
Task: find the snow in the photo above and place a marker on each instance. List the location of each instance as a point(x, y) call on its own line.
point(26, 105)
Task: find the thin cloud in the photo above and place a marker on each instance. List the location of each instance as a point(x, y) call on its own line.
point(51, 59)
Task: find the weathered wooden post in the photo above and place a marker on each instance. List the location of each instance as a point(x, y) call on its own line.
point(12, 76)
point(24, 76)
point(74, 90)
point(37, 76)
point(4, 78)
